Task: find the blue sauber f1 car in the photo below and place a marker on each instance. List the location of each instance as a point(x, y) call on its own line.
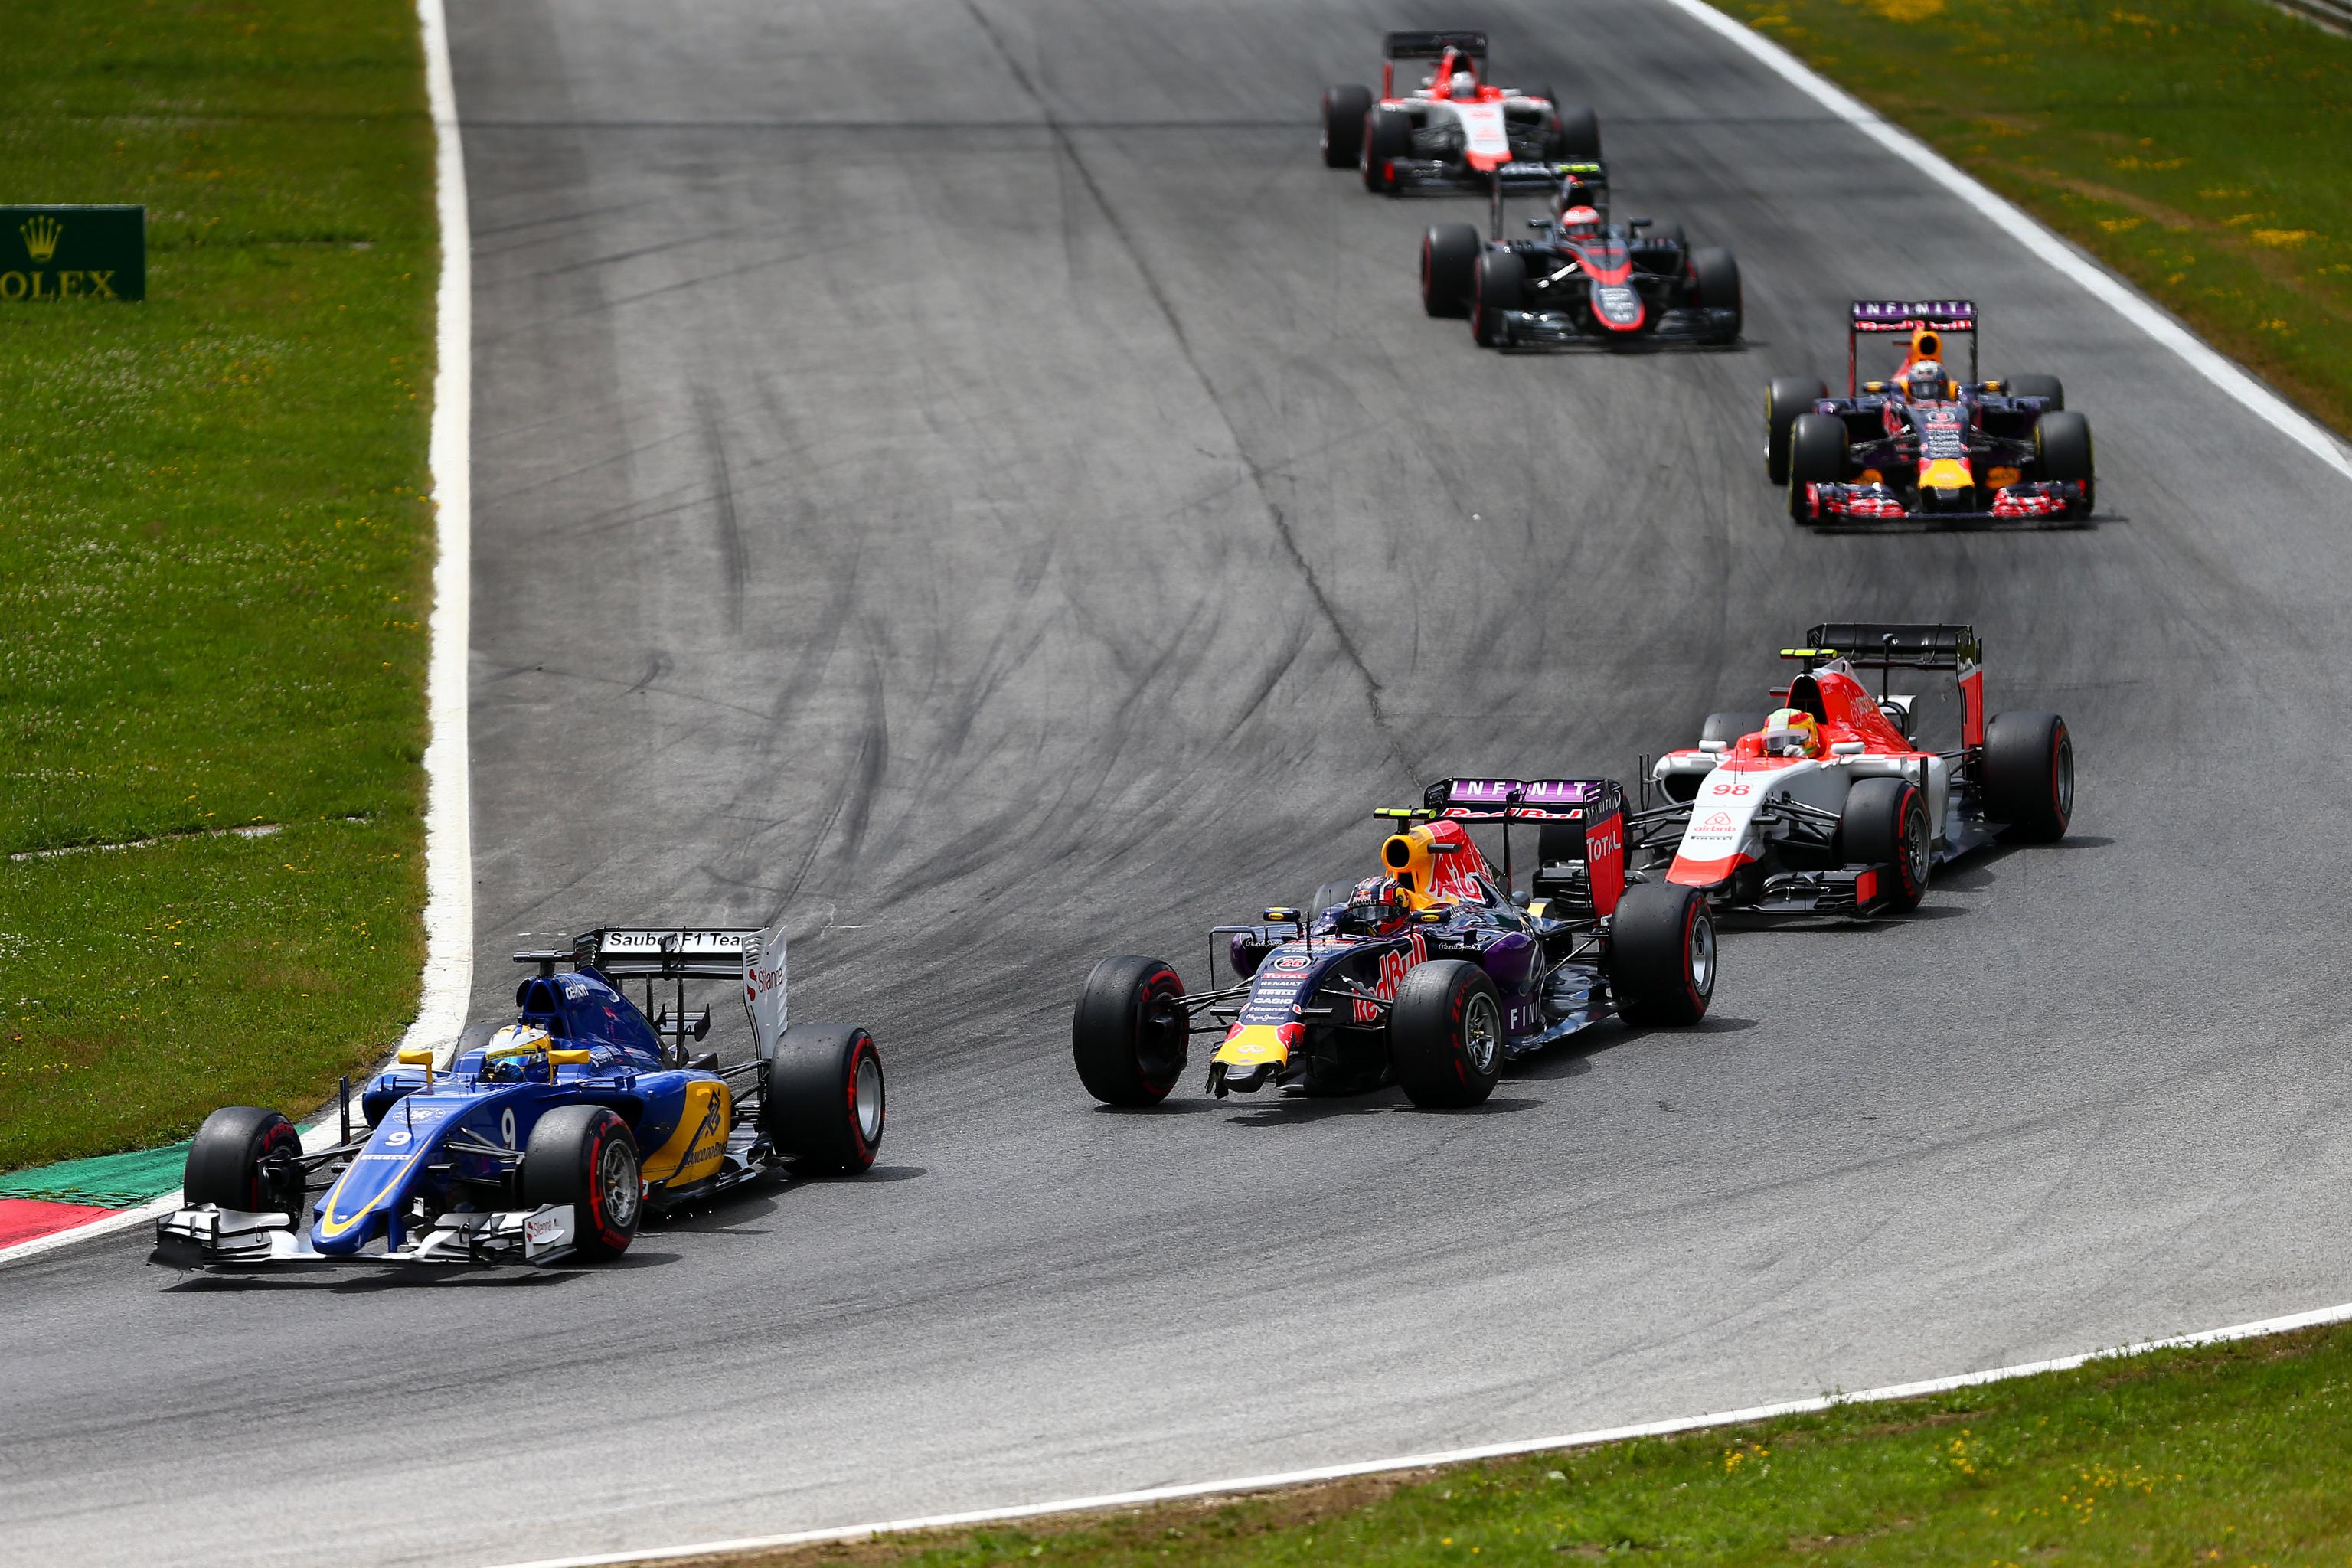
point(550, 1139)
point(1428, 976)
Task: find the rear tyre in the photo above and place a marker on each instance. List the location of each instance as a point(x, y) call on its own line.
point(1344, 109)
point(1714, 278)
point(1130, 1035)
point(1498, 284)
point(243, 1158)
point(584, 1155)
point(2029, 776)
point(1816, 457)
point(1578, 135)
point(1662, 955)
point(1445, 1035)
point(2048, 387)
point(1729, 728)
point(1785, 398)
point(1388, 136)
point(1885, 825)
point(1449, 264)
point(823, 1101)
point(2062, 450)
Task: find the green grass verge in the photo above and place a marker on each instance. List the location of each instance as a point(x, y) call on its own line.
point(2235, 1455)
point(214, 558)
point(2196, 146)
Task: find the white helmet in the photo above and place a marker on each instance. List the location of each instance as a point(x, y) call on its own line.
point(1464, 85)
point(1924, 380)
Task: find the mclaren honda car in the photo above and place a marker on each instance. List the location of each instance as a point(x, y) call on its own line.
point(1833, 803)
point(550, 1139)
point(1455, 131)
point(1430, 974)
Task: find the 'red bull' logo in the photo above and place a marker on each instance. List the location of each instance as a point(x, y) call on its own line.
point(1394, 965)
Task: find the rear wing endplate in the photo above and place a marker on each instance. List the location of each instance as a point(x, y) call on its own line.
point(1908, 317)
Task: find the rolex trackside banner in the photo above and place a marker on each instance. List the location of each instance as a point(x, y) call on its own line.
point(52, 254)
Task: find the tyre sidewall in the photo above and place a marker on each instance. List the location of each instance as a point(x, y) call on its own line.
point(1428, 1025)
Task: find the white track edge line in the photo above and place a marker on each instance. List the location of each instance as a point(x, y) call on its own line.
point(2053, 249)
point(448, 977)
point(1442, 1457)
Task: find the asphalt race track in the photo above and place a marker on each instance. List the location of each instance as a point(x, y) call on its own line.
point(968, 473)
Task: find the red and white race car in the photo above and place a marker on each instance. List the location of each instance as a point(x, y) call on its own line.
point(1831, 805)
point(1455, 131)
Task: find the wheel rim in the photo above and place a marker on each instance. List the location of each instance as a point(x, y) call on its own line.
point(1160, 1035)
point(1914, 846)
point(868, 1100)
point(1702, 954)
point(616, 1183)
point(2061, 777)
point(1482, 1034)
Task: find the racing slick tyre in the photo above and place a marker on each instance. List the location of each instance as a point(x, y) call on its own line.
point(1344, 109)
point(1578, 135)
point(1449, 263)
point(1445, 1035)
point(1130, 1035)
point(243, 1158)
point(1886, 826)
point(2029, 776)
point(584, 1155)
point(1498, 283)
point(1662, 955)
point(2062, 450)
point(1816, 457)
point(2048, 387)
point(1329, 896)
point(1784, 399)
point(1388, 136)
point(1714, 278)
point(821, 1102)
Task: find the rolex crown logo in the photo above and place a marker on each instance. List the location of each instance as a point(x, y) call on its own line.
point(41, 237)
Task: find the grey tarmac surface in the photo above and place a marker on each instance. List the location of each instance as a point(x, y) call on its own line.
point(967, 474)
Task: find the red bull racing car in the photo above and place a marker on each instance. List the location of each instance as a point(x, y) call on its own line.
point(1580, 278)
point(1431, 975)
point(1925, 444)
point(1832, 805)
point(1456, 131)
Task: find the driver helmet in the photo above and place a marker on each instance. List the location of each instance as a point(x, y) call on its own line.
point(1579, 208)
point(1462, 85)
point(1924, 381)
point(1375, 909)
point(1792, 733)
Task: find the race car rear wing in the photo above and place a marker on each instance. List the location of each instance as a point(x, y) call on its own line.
point(751, 959)
point(1872, 645)
point(1432, 45)
point(1512, 800)
point(1925, 321)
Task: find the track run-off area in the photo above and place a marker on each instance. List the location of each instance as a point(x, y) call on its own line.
point(969, 476)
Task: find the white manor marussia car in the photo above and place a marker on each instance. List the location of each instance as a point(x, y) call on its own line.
point(1834, 806)
point(1455, 131)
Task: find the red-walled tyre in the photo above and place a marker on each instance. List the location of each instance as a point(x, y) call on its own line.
point(822, 1102)
point(1446, 1036)
point(584, 1155)
point(2029, 776)
point(1662, 955)
point(1885, 825)
point(1130, 1035)
point(243, 1158)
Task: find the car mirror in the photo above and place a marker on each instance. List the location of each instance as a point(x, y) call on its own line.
point(1539, 222)
point(1715, 748)
point(1640, 223)
point(1523, 899)
point(1846, 749)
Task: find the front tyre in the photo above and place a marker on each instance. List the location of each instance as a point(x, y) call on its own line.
point(1817, 450)
point(243, 1158)
point(1714, 278)
point(1662, 955)
point(1785, 398)
point(1446, 1036)
point(1130, 1035)
point(1449, 263)
point(2029, 776)
point(1886, 827)
point(821, 1099)
point(1344, 109)
point(1579, 136)
point(1388, 136)
point(2062, 450)
point(1498, 284)
point(584, 1155)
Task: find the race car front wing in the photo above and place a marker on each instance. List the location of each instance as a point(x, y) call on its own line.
point(2031, 501)
point(1563, 328)
point(211, 1238)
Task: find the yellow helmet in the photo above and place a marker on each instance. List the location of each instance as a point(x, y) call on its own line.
point(1792, 733)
